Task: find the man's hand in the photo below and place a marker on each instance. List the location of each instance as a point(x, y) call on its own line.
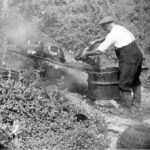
point(83, 56)
point(97, 41)
point(92, 42)
point(80, 56)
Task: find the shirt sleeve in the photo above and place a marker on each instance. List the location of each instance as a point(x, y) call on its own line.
point(109, 41)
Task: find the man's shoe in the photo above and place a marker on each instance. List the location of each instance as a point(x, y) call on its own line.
point(135, 110)
point(124, 110)
point(120, 111)
point(113, 111)
point(136, 105)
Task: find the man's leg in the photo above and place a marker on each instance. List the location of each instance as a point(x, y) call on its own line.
point(137, 88)
point(136, 104)
point(137, 96)
point(126, 99)
point(125, 102)
point(129, 81)
point(125, 82)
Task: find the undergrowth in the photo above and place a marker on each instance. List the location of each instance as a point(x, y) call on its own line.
point(47, 120)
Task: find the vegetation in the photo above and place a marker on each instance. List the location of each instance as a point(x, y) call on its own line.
point(73, 23)
point(48, 120)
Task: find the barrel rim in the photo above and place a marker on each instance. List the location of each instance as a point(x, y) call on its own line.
point(103, 83)
point(103, 71)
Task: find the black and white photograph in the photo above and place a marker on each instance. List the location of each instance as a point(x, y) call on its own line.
point(74, 74)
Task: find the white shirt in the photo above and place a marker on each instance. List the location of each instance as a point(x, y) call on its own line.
point(118, 37)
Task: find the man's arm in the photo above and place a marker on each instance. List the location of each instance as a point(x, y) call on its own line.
point(92, 44)
point(101, 48)
point(92, 53)
point(97, 41)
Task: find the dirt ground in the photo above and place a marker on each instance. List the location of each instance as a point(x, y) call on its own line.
point(117, 124)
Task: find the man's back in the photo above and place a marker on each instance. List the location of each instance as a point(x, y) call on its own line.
point(120, 36)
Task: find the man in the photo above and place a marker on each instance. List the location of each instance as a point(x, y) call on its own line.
point(130, 62)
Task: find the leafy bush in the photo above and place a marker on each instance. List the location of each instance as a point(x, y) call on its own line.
point(48, 120)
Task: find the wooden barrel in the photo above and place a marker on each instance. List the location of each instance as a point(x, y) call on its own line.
point(103, 85)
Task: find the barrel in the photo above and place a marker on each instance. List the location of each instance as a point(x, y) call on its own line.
point(103, 85)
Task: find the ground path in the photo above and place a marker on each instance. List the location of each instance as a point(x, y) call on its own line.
point(116, 123)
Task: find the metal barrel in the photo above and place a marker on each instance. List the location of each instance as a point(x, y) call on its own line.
point(103, 85)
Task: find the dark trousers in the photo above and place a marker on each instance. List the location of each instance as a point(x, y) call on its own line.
point(130, 65)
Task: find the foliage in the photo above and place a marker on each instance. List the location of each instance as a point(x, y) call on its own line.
point(48, 120)
point(142, 21)
point(73, 23)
